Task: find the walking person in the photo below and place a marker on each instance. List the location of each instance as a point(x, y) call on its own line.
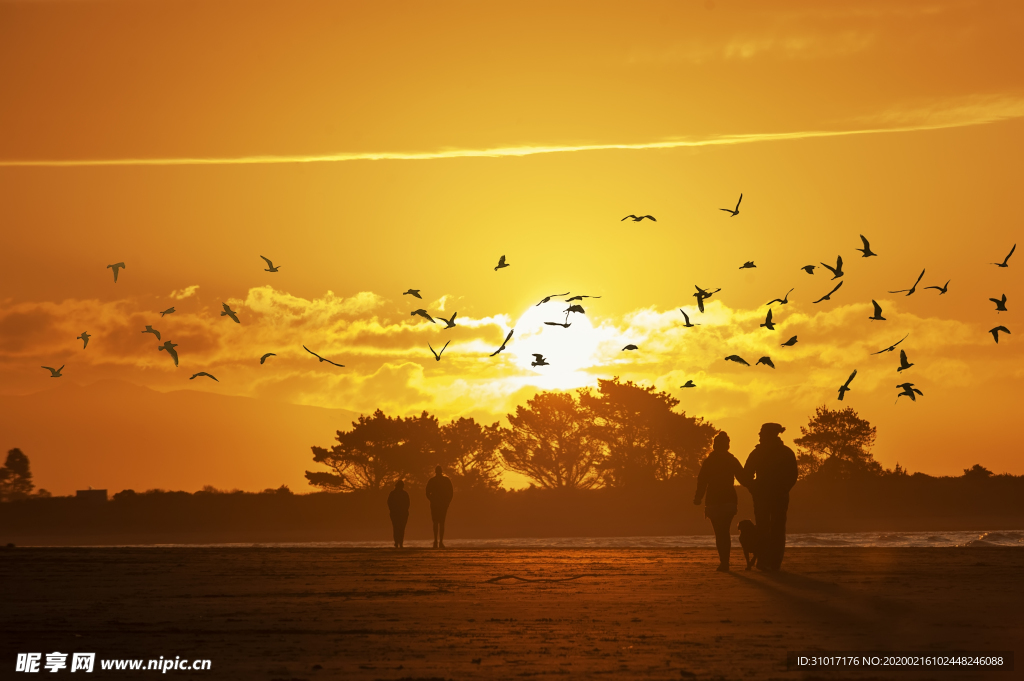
point(716, 479)
point(440, 493)
point(771, 472)
point(398, 506)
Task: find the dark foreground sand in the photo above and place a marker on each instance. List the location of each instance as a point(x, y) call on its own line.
point(276, 613)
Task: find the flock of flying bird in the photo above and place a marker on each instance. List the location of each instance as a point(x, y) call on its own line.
point(701, 295)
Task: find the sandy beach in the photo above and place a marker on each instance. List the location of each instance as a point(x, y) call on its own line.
point(284, 613)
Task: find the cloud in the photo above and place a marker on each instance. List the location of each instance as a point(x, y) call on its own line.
point(185, 292)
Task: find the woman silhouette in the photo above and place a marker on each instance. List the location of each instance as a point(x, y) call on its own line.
point(716, 478)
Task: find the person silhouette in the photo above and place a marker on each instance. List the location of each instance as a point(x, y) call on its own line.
point(716, 478)
point(771, 472)
point(440, 493)
point(398, 505)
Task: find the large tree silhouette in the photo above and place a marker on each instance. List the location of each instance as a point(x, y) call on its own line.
point(15, 477)
point(470, 453)
point(837, 443)
point(551, 441)
point(644, 438)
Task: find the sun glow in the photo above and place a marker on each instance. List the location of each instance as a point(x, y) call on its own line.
point(568, 351)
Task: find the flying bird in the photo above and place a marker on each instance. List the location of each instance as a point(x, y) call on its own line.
point(270, 268)
point(150, 329)
point(423, 313)
point(877, 316)
point(538, 360)
point(564, 325)
point(809, 269)
point(574, 308)
point(85, 339)
point(768, 323)
point(169, 347)
point(836, 271)
point(119, 265)
point(269, 354)
point(687, 318)
point(449, 323)
point(846, 386)
point(569, 300)
point(1000, 303)
point(891, 347)
point(689, 384)
point(503, 343)
point(437, 355)
point(203, 373)
point(321, 358)
point(630, 347)
point(638, 219)
point(735, 211)
point(767, 361)
point(790, 343)
point(229, 313)
point(169, 310)
point(867, 248)
point(995, 332)
point(413, 292)
point(55, 373)
point(701, 295)
point(747, 265)
point(909, 390)
point(501, 263)
point(737, 359)
point(784, 300)
point(912, 288)
point(828, 296)
point(553, 295)
point(940, 289)
point(904, 364)
point(997, 264)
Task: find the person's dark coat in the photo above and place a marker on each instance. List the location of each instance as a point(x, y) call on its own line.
point(398, 503)
point(440, 491)
point(716, 478)
point(771, 469)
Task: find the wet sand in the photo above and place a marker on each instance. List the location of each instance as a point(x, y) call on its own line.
point(287, 613)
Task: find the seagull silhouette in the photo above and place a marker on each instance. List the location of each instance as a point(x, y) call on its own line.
point(630, 347)
point(940, 289)
point(904, 364)
point(809, 269)
point(867, 248)
point(845, 387)
point(228, 312)
point(767, 361)
point(85, 339)
point(891, 347)
point(422, 313)
point(574, 308)
point(169, 347)
point(437, 355)
point(449, 323)
point(836, 271)
point(503, 343)
point(538, 360)
point(909, 390)
point(737, 359)
point(564, 325)
point(638, 219)
point(269, 354)
point(747, 265)
point(150, 329)
point(784, 300)
point(270, 268)
point(1000, 303)
point(413, 292)
point(553, 295)
point(501, 263)
point(913, 288)
point(321, 358)
point(689, 384)
point(203, 373)
point(55, 373)
point(701, 295)
point(736, 211)
point(997, 264)
point(768, 323)
point(687, 318)
point(995, 332)
point(790, 343)
point(828, 296)
point(877, 316)
point(169, 310)
point(119, 265)
point(569, 300)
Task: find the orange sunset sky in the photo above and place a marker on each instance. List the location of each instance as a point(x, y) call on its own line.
point(368, 148)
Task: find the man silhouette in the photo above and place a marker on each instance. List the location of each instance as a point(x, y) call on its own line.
point(771, 472)
point(398, 505)
point(440, 493)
